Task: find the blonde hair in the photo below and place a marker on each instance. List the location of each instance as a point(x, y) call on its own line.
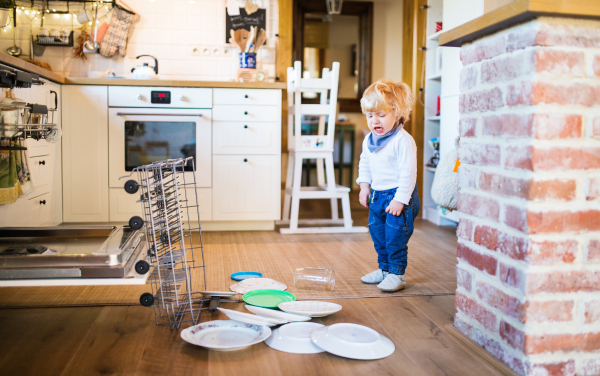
point(388, 96)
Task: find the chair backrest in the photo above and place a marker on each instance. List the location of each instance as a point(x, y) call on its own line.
point(327, 84)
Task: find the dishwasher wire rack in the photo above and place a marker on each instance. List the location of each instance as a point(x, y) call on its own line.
point(175, 258)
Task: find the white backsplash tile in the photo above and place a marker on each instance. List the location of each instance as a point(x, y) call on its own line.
point(167, 29)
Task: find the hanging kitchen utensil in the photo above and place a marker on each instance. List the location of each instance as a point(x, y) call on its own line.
point(93, 45)
point(14, 50)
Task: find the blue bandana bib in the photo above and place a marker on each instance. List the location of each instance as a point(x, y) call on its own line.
point(376, 143)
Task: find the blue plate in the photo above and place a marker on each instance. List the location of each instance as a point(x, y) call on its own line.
point(240, 276)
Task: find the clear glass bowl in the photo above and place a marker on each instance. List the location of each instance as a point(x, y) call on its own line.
point(314, 278)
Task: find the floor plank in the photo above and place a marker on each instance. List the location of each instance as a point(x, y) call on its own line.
point(51, 340)
point(439, 309)
point(115, 343)
point(17, 325)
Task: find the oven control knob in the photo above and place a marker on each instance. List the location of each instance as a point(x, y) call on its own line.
point(140, 97)
point(182, 98)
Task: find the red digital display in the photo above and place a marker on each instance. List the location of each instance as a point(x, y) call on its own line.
point(160, 97)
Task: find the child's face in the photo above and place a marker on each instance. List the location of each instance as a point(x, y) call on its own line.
point(381, 122)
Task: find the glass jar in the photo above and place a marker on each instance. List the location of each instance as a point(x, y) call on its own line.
point(314, 278)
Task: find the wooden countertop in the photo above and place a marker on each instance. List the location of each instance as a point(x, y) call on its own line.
point(173, 83)
point(28, 67)
point(515, 13)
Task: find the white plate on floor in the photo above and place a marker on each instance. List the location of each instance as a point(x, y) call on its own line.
point(250, 318)
point(310, 308)
point(295, 338)
point(353, 341)
point(225, 335)
point(222, 294)
point(252, 284)
point(267, 312)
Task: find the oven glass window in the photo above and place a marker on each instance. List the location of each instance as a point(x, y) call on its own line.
point(150, 141)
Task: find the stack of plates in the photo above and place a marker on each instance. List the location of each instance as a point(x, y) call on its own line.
point(310, 308)
point(225, 335)
point(252, 284)
point(251, 319)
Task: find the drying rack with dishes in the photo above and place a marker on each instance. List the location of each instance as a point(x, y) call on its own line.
point(175, 260)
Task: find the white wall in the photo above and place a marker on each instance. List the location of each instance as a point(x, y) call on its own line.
point(167, 29)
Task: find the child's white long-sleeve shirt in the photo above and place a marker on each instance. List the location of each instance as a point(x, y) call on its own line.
point(393, 166)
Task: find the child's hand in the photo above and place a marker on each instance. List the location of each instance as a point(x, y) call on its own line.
point(395, 208)
point(363, 196)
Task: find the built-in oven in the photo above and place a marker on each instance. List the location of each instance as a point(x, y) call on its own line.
point(145, 126)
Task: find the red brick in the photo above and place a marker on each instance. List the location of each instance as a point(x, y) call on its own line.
point(500, 300)
point(463, 278)
point(596, 127)
point(575, 94)
point(515, 217)
point(478, 260)
point(467, 176)
point(592, 189)
point(549, 252)
point(468, 78)
point(549, 343)
point(550, 311)
point(513, 277)
point(464, 229)
point(518, 157)
point(590, 367)
point(596, 65)
point(476, 311)
point(513, 336)
point(553, 369)
point(483, 49)
point(504, 185)
point(552, 126)
point(563, 281)
point(563, 221)
point(462, 326)
point(507, 67)
point(554, 34)
point(500, 352)
point(559, 189)
point(513, 246)
point(479, 206)
point(467, 127)
point(593, 250)
point(483, 100)
point(519, 93)
point(511, 125)
point(486, 237)
point(521, 37)
point(479, 154)
point(560, 62)
point(591, 311)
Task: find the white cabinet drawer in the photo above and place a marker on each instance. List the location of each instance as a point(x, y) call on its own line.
point(247, 96)
point(246, 187)
point(40, 210)
point(223, 112)
point(37, 148)
point(41, 172)
point(140, 96)
point(246, 137)
point(123, 205)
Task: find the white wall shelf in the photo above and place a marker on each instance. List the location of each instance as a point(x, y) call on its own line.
point(434, 36)
point(434, 118)
point(436, 77)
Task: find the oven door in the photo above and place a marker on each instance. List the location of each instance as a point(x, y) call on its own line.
point(139, 136)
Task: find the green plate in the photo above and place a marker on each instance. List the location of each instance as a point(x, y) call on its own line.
point(267, 298)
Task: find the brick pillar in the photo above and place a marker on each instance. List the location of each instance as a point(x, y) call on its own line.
point(529, 235)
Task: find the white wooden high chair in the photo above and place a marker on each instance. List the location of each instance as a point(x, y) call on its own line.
point(319, 147)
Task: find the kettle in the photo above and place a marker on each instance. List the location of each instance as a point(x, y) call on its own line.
point(144, 71)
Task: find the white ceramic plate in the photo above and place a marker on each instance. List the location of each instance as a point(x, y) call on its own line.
point(222, 294)
point(225, 335)
point(251, 319)
point(310, 308)
point(267, 312)
point(252, 284)
point(353, 341)
point(295, 338)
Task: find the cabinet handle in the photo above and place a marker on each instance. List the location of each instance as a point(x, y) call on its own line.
point(245, 127)
point(150, 114)
point(245, 112)
point(245, 159)
point(42, 162)
point(42, 202)
point(246, 96)
point(55, 99)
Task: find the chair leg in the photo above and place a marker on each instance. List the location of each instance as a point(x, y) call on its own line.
point(331, 185)
point(346, 210)
point(320, 172)
point(296, 184)
point(288, 186)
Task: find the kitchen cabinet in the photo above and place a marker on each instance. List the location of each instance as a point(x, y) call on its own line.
point(246, 187)
point(85, 154)
point(43, 206)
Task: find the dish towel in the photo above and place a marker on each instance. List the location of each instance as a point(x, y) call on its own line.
point(23, 170)
point(10, 187)
point(116, 35)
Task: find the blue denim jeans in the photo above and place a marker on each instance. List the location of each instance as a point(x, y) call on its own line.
point(391, 233)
